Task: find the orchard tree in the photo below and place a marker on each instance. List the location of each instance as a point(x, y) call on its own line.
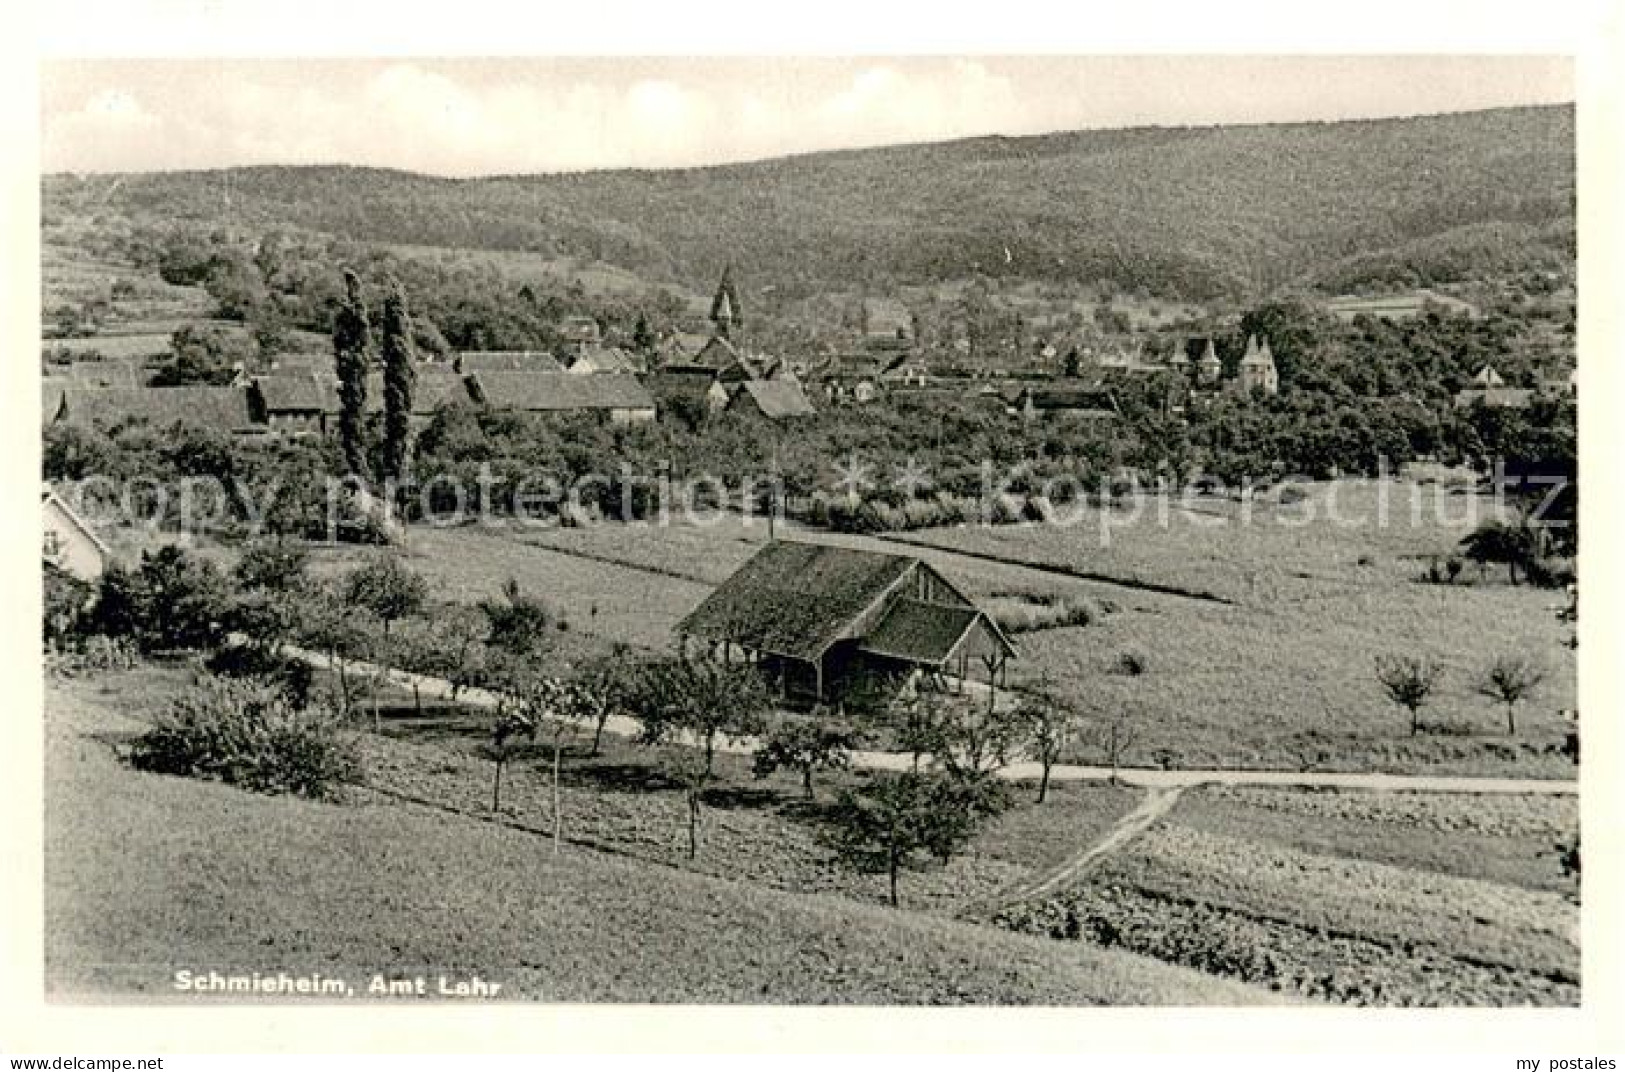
point(386, 588)
point(1409, 681)
point(352, 346)
point(273, 565)
point(400, 379)
point(700, 702)
point(899, 821)
point(1113, 735)
point(1510, 680)
point(517, 623)
point(806, 745)
point(1048, 726)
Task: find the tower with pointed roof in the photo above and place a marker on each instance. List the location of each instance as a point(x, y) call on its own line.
point(1208, 366)
point(725, 311)
point(1257, 372)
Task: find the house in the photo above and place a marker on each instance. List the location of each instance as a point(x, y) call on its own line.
point(220, 409)
point(71, 545)
point(689, 385)
point(1487, 377)
point(817, 619)
point(471, 361)
point(1257, 371)
point(104, 374)
point(434, 388)
point(605, 360)
point(887, 324)
point(1087, 403)
point(772, 399)
point(581, 331)
point(1494, 397)
point(296, 404)
point(622, 399)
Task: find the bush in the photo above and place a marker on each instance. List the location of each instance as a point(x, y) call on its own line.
point(96, 653)
point(246, 733)
point(253, 661)
point(1133, 662)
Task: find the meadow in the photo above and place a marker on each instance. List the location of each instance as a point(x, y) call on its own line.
point(1272, 668)
point(147, 875)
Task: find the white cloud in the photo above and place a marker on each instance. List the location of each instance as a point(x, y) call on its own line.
point(466, 118)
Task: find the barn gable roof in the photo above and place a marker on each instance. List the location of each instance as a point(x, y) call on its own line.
point(921, 632)
point(601, 360)
point(310, 393)
point(507, 361)
point(796, 599)
point(222, 409)
point(772, 399)
point(559, 391)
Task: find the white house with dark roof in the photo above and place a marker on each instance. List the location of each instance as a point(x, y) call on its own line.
point(70, 544)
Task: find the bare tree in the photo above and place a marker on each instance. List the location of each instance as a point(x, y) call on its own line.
point(1048, 726)
point(1409, 680)
point(1511, 679)
point(1114, 735)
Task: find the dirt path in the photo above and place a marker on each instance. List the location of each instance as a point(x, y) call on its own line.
point(1143, 777)
point(1156, 804)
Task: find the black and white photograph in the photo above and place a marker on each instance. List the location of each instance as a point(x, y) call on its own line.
point(811, 530)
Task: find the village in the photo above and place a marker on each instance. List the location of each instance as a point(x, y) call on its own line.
point(708, 630)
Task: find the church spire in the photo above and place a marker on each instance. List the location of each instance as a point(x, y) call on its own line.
point(725, 311)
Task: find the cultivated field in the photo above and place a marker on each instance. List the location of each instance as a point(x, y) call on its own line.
point(1405, 899)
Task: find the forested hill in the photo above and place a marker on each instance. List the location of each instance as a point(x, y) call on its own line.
point(1179, 211)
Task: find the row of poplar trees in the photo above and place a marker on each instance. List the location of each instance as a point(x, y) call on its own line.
point(352, 350)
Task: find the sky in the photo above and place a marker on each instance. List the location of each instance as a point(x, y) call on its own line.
point(462, 117)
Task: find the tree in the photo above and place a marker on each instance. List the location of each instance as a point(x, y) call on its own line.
point(203, 355)
point(510, 728)
point(704, 701)
point(1510, 680)
point(399, 381)
point(1048, 726)
point(969, 739)
point(899, 820)
point(517, 623)
point(389, 591)
point(1114, 736)
point(352, 345)
point(604, 690)
point(174, 600)
point(272, 565)
point(333, 627)
point(806, 745)
point(387, 588)
point(1513, 544)
point(643, 339)
point(1409, 681)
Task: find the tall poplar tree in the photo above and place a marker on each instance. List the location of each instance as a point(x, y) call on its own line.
point(352, 341)
point(399, 381)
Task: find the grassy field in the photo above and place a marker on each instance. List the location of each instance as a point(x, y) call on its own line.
point(1364, 898)
point(1396, 306)
point(1284, 675)
point(1280, 676)
point(147, 875)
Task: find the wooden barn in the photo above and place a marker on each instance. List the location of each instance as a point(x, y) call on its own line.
point(817, 619)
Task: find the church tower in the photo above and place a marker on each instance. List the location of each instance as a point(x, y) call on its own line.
point(725, 311)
